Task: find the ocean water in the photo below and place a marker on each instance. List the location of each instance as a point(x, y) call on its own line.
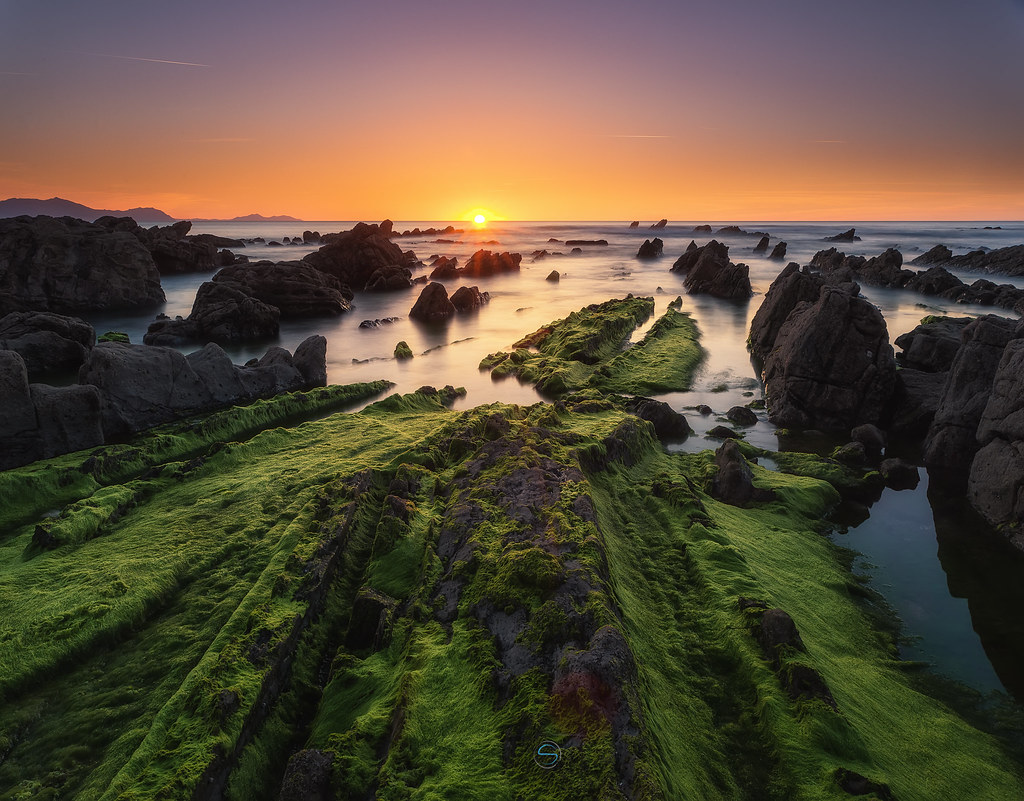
point(927, 556)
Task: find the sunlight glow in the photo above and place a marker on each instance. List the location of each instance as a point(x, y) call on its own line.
point(479, 219)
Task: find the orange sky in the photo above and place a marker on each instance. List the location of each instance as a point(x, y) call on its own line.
point(726, 111)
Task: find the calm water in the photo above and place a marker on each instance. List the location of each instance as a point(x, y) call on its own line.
point(932, 560)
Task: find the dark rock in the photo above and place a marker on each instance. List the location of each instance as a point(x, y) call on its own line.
point(898, 474)
point(47, 341)
point(310, 360)
point(938, 281)
point(311, 237)
point(933, 344)
point(297, 289)
point(19, 433)
point(803, 682)
point(570, 243)
point(668, 423)
point(371, 620)
point(484, 263)
point(742, 416)
point(389, 279)
point(852, 453)
point(1004, 261)
point(219, 377)
point(433, 305)
point(734, 484)
point(779, 251)
point(915, 401)
point(762, 245)
point(70, 418)
point(871, 437)
point(220, 313)
point(273, 373)
point(634, 224)
point(659, 225)
point(704, 409)
point(467, 298)
point(444, 268)
point(777, 632)
point(403, 351)
point(379, 322)
point(67, 265)
point(354, 256)
point(939, 254)
point(553, 276)
point(709, 271)
point(702, 229)
point(722, 432)
point(792, 287)
point(217, 241)
point(831, 367)
point(845, 236)
point(855, 784)
point(308, 777)
point(651, 249)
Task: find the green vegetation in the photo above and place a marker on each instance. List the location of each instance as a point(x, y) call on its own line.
point(588, 350)
point(114, 336)
point(404, 602)
point(403, 351)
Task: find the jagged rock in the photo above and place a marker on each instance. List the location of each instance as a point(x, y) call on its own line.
point(389, 279)
point(734, 483)
point(484, 263)
point(845, 236)
point(67, 265)
point(297, 289)
point(354, 256)
point(779, 251)
point(659, 224)
point(952, 441)
point(938, 281)
point(709, 272)
point(220, 313)
point(634, 224)
point(939, 254)
point(898, 474)
point(1004, 261)
point(690, 256)
point(762, 245)
point(553, 276)
point(433, 305)
point(69, 418)
point(379, 322)
point(831, 367)
point(792, 287)
point(47, 341)
point(668, 423)
point(467, 298)
point(933, 344)
point(651, 249)
point(742, 416)
point(444, 268)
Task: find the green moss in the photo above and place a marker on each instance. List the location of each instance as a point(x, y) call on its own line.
point(403, 351)
point(114, 336)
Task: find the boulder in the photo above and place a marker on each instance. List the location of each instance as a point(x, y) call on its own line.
point(553, 276)
point(722, 432)
point(70, 418)
point(444, 268)
point(995, 487)
point(47, 341)
point(484, 263)
point(217, 374)
point(898, 474)
point(403, 351)
point(668, 423)
point(19, 434)
point(939, 254)
point(792, 287)
point(933, 344)
point(307, 777)
point(295, 288)
point(389, 278)
point(433, 305)
point(762, 245)
point(733, 484)
point(354, 256)
point(467, 298)
point(220, 313)
point(702, 229)
point(691, 254)
point(915, 401)
point(831, 367)
point(952, 438)
point(777, 632)
point(311, 361)
point(779, 251)
point(845, 236)
point(709, 272)
point(742, 416)
point(651, 249)
point(871, 437)
point(275, 372)
point(659, 225)
point(66, 265)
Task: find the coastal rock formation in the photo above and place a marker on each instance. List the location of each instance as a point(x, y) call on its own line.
point(433, 305)
point(668, 423)
point(221, 313)
point(762, 245)
point(952, 439)
point(1004, 261)
point(845, 236)
point(484, 263)
point(66, 265)
point(734, 483)
point(353, 257)
point(389, 279)
point(554, 275)
point(915, 401)
point(933, 344)
point(296, 288)
point(709, 272)
point(702, 229)
point(634, 224)
point(467, 298)
point(444, 268)
point(779, 251)
point(651, 249)
point(831, 366)
point(659, 224)
point(569, 243)
point(792, 287)
point(47, 341)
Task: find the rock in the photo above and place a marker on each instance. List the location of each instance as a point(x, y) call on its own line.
point(733, 484)
point(705, 410)
point(702, 229)
point(403, 351)
point(898, 474)
point(871, 437)
point(852, 453)
point(311, 237)
point(553, 276)
point(939, 254)
point(792, 287)
point(70, 418)
point(915, 401)
point(777, 632)
point(571, 243)
point(433, 305)
point(742, 416)
point(651, 249)
point(467, 298)
point(709, 272)
point(47, 341)
point(779, 251)
point(19, 433)
point(217, 241)
point(310, 360)
point(1004, 261)
point(221, 313)
point(219, 377)
point(938, 281)
point(371, 620)
point(845, 236)
point(762, 245)
point(295, 288)
point(634, 224)
point(354, 256)
point(668, 423)
point(952, 441)
point(379, 322)
point(389, 279)
point(722, 432)
point(933, 344)
point(831, 367)
point(66, 265)
point(308, 777)
point(855, 784)
point(995, 487)
point(484, 263)
point(444, 268)
point(659, 225)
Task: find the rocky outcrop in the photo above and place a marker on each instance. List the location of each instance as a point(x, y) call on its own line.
point(915, 401)
point(709, 272)
point(659, 224)
point(634, 224)
point(444, 268)
point(66, 265)
point(220, 313)
point(47, 342)
point(295, 288)
point(484, 263)
point(668, 424)
point(792, 287)
point(845, 236)
point(952, 439)
point(554, 275)
point(651, 249)
point(734, 483)
point(831, 366)
point(354, 257)
point(468, 298)
point(1004, 261)
point(779, 251)
point(933, 344)
point(762, 245)
point(433, 305)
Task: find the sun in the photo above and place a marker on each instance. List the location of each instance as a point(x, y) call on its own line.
point(479, 219)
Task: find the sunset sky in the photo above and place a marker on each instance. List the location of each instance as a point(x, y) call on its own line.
point(725, 110)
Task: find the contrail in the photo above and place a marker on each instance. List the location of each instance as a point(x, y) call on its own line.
point(153, 60)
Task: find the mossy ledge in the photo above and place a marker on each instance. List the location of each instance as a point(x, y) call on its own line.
point(404, 602)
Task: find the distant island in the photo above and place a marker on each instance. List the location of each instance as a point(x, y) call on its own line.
point(59, 207)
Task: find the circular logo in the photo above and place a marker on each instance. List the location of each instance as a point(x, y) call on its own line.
point(547, 755)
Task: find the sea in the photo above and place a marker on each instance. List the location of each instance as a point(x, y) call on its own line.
point(954, 584)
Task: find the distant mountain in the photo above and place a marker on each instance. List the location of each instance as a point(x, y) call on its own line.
point(261, 218)
point(59, 207)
